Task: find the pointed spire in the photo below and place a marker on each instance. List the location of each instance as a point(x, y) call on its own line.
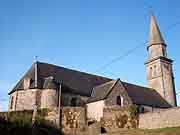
point(155, 36)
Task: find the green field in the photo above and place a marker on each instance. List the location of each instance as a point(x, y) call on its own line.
point(163, 131)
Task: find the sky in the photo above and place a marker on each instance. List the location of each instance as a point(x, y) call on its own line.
point(84, 35)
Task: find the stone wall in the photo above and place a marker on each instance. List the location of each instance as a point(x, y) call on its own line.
point(118, 90)
point(161, 118)
point(27, 99)
point(53, 116)
point(23, 100)
point(43, 98)
point(118, 118)
point(49, 98)
point(94, 129)
point(73, 119)
point(160, 77)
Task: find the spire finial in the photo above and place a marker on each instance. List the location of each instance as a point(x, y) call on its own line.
point(151, 10)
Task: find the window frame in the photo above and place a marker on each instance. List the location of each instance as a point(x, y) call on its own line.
point(120, 101)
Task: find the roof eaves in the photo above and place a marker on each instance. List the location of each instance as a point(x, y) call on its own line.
point(21, 80)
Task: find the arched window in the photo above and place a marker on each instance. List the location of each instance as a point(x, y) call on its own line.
point(153, 71)
point(119, 100)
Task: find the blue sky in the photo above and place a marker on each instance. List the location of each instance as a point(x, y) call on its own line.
point(83, 35)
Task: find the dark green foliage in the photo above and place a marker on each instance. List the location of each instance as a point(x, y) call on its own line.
point(43, 112)
point(40, 119)
point(133, 110)
point(21, 124)
point(13, 128)
point(20, 120)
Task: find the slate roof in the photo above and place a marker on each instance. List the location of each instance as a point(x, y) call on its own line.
point(100, 92)
point(50, 76)
point(155, 36)
point(138, 94)
point(80, 82)
point(145, 96)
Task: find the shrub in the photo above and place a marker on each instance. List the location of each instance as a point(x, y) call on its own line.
point(42, 122)
point(133, 110)
point(19, 120)
point(20, 123)
point(43, 112)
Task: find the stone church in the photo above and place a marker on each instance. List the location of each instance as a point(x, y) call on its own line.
point(47, 86)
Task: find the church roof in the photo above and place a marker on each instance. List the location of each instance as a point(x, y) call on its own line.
point(155, 36)
point(138, 94)
point(145, 96)
point(81, 82)
point(101, 91)
point(50, 76)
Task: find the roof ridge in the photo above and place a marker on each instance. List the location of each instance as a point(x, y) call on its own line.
point(74, 70)
point(138, 85)
point(104, 83)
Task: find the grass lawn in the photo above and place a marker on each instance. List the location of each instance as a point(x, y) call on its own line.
point(162, 131)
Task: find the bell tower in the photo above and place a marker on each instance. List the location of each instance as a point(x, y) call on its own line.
point(159, 66)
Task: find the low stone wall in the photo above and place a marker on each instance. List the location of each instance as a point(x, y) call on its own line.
point(117, 118)
point(160, 119)
point(53, 116)
point(73, 119)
